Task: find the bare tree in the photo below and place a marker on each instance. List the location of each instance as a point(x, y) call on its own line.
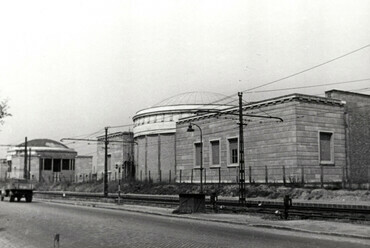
point(4, 107)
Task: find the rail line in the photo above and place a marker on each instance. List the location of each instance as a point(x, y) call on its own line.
point(297, 210)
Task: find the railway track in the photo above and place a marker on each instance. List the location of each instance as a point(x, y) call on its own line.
point(297, 210)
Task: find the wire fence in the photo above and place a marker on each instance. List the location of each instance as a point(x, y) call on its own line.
point(286, 175)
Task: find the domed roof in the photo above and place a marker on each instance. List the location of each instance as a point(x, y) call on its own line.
point(194, 98)
point(44, 143)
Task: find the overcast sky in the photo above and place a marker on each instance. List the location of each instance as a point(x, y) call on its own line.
point(71, 68)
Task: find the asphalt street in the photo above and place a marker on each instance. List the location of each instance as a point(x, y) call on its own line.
point(35, 225)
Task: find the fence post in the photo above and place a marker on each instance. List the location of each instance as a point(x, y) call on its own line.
point(284, 178)
point(180, 175)
point(322, 176)
point(343, 178)
point(250, 174)
point(302, 175)
point(191, 176)
point(169, 177)
point(219, 175)
point(266, 175)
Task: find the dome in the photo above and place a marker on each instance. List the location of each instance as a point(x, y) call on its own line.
point(44, 143)
point(195, 98)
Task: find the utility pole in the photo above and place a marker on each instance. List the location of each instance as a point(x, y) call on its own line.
point(29, 164)
point(241, 152)
point(106, 163)
point(25, 160)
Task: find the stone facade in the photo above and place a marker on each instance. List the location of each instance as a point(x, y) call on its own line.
point(357, 120)
point(83, 169)
point(273, 149)
point(3, 169)
point(120, 150)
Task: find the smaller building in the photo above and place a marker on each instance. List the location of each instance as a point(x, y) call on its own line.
point(3, 169)
point(120, 152)
point(47, 161)
point(83, 170)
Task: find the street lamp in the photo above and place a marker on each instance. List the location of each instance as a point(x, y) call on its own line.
point(191, 129)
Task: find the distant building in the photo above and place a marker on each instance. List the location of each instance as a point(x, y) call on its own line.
point(120, 152)
point(47, 161)
point(83, 169)
point(3, 169)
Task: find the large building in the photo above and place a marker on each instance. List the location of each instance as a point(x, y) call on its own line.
point(155, 132)
point(320, 139)
point(47, 161)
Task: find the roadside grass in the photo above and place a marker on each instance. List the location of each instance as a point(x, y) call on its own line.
point(252, 191)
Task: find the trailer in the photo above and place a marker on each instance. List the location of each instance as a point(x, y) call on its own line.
point(17, 189)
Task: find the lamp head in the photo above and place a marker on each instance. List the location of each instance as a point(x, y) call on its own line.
point(190, 128)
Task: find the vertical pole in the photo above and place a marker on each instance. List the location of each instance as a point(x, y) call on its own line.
point(302, 175)
point(25, 159)
point(29, 165)
point(160, 176)
point(119, 185)
point(149, 176)
point(266, 175)
point(205, 177)
point(322, 176)
point(169, 177)
point(180, 175)
point(159, 153)
point(141, 175)
point(284, 178)
point(191, 176)
point(241, 152)
point(219, 176)
point(250, 174)
point(106, 163)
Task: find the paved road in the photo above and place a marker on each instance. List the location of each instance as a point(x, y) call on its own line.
point(34, 225)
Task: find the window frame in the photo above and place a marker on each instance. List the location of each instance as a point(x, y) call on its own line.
point(229, 164)
point(331, 161)
point(195, 166)
point(211, 164)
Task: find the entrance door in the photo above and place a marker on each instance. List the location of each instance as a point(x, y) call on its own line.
point(56, 169)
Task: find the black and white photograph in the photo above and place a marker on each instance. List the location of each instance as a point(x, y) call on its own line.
point(184, 123)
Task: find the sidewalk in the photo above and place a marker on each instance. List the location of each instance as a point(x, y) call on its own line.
point(308, 226)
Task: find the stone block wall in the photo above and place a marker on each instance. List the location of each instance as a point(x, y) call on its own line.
point(272, 148)
point(357, 119)
point(155, 157)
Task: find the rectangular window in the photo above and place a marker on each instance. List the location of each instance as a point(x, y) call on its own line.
point(65, 164)
point(326, 148)
point(56, 165)
point(233, 151)
point(215, 152)
point(47, 164)
point(198, 148)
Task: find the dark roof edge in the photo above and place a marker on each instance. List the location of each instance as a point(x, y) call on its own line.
point(347, 93)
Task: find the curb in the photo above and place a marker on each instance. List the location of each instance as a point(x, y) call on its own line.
point(270, 226)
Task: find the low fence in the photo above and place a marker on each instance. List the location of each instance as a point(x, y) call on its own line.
point(316, 175)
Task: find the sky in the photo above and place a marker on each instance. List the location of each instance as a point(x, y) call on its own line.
point(70, 68)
